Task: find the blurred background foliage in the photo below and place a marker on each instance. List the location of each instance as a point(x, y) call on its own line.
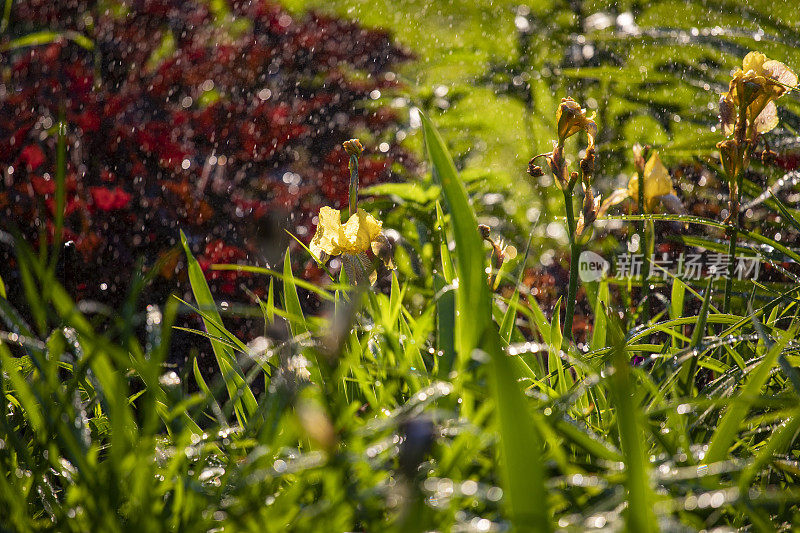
point(492, 74)
point(302, 420)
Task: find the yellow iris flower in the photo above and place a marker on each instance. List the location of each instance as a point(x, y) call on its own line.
point(355, 236)
point(756, 86)
point(351, 240)
point(657, 188)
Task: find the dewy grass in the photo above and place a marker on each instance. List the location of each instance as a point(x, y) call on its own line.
point(428, 401)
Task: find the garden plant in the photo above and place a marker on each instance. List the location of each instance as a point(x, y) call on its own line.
point(396, 369)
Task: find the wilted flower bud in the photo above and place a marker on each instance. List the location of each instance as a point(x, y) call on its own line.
point(573, 179)
point(570, 119)
point(555, 161)
point(587, 164)
point(353, 147)
point(567, 118)
point(587, 217)
point(534, 169)
point(485, 231)
point(768, 157)
point(503, 252)
point(383, 248)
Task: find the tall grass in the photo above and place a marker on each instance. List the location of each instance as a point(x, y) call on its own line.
point(461, 411)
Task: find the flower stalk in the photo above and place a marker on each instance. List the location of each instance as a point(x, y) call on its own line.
point(643, 240)
point(575, 252)
point(571, 119)
point(354, 149)
point(746, 112)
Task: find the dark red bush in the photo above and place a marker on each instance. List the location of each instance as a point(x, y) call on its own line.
point(226, 125)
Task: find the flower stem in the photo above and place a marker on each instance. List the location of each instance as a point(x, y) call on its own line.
point(645, 254)
point(353, 184)
point(575, 252)
point(734, 234)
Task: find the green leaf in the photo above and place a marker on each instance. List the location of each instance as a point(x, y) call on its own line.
point(735, 414)
point(47, 37)
point(639, 514)
point(409, 192)
point(447, 263)
point(697, 337)
point(23, 392)
point(270, 310)
point(245, 402)
point(775, 445)
point(677, 295)
point(291, 303)
point(521, 447)
point(599, 327)
point(510, 316)
point(445, 324)
point(473, 317)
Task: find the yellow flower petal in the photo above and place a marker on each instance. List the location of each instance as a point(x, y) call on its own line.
point(353, 237)
point(754, 61)
point(780, 73)
point(656, 182)
point(767, 119)
point(657, 179)
point(761, 65)
point(359, 232)
point(616, 197)
point(329, 237)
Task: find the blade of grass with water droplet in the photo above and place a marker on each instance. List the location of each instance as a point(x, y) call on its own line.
point(445, 324)
point(521, 448)
point(735, 414)
point(510, 316)
point(639, 513)
point(444, 252)
point(232, 374)
point(697, 338)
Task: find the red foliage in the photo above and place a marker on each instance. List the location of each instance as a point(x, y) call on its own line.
point(106, 199)
point(175, 122)
point(32, 156)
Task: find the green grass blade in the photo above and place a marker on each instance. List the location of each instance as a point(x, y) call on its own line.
point(297, 321)
point(697, 337)
point(444, 252)
point(245, 403)
point(510, 316)
point(521, 447)
point(639, 513)
point(736, 412)
point(473, 316)
point(445, 324)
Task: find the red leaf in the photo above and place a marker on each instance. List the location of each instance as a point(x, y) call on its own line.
point(32, 155)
